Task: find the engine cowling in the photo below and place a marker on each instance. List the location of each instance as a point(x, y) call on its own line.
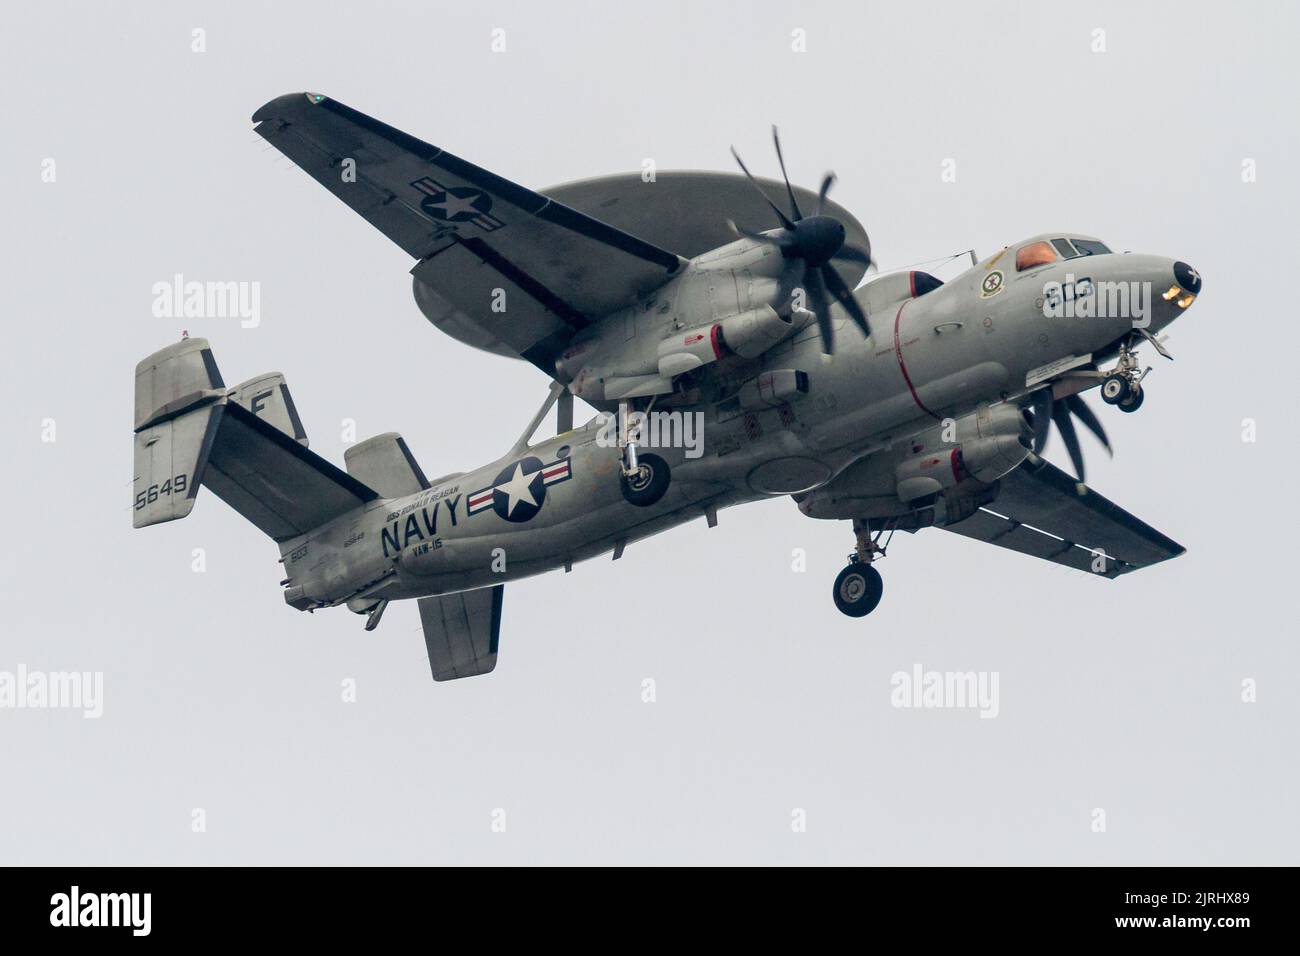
point(983, 445)
point(747, 334)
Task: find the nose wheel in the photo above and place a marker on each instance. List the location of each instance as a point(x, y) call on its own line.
point(1133, 401)
point(858, 587)
point(1122, 385)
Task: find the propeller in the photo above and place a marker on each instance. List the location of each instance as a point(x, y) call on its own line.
point(1044, 413)
point(809, 244)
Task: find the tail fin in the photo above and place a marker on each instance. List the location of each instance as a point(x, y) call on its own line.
point(267, 396)
point(178, 402)
point(386, 464)
point(246, 444)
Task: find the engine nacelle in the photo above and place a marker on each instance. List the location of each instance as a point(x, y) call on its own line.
point(988, 459)
point(983, 445)
point(747, 334)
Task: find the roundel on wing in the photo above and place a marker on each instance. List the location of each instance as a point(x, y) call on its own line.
point(457, 204)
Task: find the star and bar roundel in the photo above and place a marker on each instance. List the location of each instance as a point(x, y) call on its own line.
point(456, 204)
point(520, 489)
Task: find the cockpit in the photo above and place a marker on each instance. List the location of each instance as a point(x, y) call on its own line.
point(1041, 252)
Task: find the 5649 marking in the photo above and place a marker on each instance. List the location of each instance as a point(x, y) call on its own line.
point(151, 494)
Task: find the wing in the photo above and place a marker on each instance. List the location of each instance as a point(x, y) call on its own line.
point(472, 231)
point(461, 632)
point(1039, 512)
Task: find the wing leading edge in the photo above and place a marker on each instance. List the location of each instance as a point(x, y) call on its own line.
point(472, 231)
point(1039, 512)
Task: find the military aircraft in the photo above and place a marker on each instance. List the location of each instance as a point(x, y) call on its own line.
point(902, 404)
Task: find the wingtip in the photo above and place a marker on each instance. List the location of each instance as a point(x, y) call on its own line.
point(287, 103)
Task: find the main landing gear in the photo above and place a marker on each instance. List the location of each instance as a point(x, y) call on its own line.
point(858, 587)
point(643, 478)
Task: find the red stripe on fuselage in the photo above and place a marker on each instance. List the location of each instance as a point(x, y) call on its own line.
point(902, 366)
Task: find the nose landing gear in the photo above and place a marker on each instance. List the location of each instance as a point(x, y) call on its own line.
point(1122, 385)
point(858, 587)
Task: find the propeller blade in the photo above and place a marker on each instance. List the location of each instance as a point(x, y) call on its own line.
point(794, 206)
point(782, 242)
point(1042, 423)
point(845, 297)
point(1082, 412)
point(821, 193)
point(818, 302)
point(1064, 424)
point(750, 176)
point(850, 254)
point(791, 276)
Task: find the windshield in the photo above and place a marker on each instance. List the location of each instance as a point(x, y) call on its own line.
point(1091, 247)
point(1034, 254)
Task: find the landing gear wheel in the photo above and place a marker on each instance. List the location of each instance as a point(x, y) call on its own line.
point(857, 589)
point(1115, 389)
point(648, 483)
point(1134, 401)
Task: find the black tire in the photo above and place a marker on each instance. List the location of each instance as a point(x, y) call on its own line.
point(1115, 389)
point(858, 589)
point(1134, 401)
point(648, 484)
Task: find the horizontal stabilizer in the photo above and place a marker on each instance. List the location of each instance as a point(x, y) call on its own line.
point(274, 482)
point(461, 632)
point(1039, 512)
point(387, 465)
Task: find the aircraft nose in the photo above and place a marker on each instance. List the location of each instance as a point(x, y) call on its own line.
point(1187, 278)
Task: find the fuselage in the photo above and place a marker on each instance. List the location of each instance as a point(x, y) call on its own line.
point(980, 339)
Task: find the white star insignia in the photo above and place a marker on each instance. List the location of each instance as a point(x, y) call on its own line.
point(519, 488)
point(455, 205)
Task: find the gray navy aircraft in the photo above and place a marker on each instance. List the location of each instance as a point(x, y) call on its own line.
point(902, 404)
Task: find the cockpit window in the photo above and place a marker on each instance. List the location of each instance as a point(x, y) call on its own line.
point(1034, 254)
point(1064, 248)
point(1091, 247)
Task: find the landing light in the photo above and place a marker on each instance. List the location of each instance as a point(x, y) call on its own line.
point(1173, 291)
point(1186, 300)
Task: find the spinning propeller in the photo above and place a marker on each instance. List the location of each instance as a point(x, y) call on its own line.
point(1045, 412)
point(808, 245)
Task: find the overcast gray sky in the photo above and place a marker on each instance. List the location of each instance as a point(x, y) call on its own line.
point(1123, 696)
